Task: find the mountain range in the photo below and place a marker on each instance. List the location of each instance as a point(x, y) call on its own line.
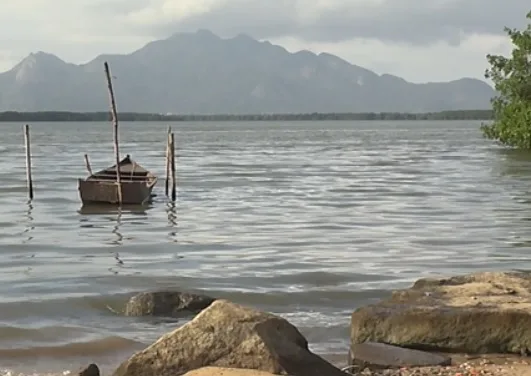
point(204, 74)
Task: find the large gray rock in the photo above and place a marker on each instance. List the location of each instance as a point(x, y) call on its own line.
point(379, 355)
point(478, 313)
point(166, 303)
point(231, 336)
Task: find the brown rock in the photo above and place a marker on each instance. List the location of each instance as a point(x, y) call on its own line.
point(166, 303)
point(232, 336)
point(91, 370)
point(478, 313)
point(216, 371)
point(379, 355)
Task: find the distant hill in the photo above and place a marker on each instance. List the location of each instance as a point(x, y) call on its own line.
point(203, 74)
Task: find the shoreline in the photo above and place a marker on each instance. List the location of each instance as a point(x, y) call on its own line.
point(464, 325)
point(102, 116)
point(479, 364)
point(54, 366)
point(437, 327)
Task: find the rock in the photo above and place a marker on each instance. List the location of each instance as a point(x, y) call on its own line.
point(379, 355)
point(478, 313)
point(232, 336)
point(216, 371)
point(91, 370)
point(166, 303)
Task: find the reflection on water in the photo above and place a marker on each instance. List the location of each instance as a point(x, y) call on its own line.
point(29, 223)
point(113, 209)
point(513, 163)
point(171, 210)
point(116, 229)
point(100, 215)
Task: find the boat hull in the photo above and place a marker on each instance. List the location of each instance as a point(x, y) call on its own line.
point(102, 187)
point(101, 191)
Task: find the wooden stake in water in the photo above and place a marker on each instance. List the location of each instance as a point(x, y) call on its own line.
point(87, 164)
point(115, 131)
point(173, 180)
point(28, 161)
point(167, 186)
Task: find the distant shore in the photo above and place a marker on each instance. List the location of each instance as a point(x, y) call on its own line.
point(62, 116)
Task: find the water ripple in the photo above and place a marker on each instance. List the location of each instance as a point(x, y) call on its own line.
point(309, 220)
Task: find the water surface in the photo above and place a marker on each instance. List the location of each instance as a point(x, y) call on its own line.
point(305, 219)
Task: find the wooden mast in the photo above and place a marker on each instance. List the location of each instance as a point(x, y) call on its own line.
point(115, 131)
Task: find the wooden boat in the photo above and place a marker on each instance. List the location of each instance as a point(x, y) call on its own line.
point(101, 187)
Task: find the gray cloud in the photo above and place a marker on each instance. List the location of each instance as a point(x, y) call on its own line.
point(106, 7)
point(418, 22)
point(400, 35)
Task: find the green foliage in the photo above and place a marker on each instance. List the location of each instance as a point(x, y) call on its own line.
point(512, 80)
point(56, 116)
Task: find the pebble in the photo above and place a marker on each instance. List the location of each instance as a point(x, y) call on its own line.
point(465, 369)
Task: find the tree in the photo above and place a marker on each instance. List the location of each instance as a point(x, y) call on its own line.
point(512, 80)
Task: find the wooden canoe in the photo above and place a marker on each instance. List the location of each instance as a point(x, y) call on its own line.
point(101, 187)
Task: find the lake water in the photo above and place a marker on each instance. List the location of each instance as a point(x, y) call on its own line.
point(305, 219)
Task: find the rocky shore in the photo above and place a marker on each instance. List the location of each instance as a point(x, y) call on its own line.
point(477, 324)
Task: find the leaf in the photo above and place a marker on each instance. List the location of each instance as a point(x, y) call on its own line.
point(512, 80)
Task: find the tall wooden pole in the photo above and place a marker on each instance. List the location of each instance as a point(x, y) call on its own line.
point(168, 157)
point(115, 131)
point(28, 161)
point(173, 180)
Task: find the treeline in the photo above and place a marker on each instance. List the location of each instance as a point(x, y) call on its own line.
point(56, 116)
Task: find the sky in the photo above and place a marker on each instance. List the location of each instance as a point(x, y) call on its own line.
point(419, 40)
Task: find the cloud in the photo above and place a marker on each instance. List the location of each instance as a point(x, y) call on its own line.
point(74, 30)
point(415, 22)
point(418, 39)
point(437, 62)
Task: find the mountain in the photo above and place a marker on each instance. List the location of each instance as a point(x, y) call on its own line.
point(202, 73)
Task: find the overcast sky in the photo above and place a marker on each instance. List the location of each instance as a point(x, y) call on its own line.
point(420, 40)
